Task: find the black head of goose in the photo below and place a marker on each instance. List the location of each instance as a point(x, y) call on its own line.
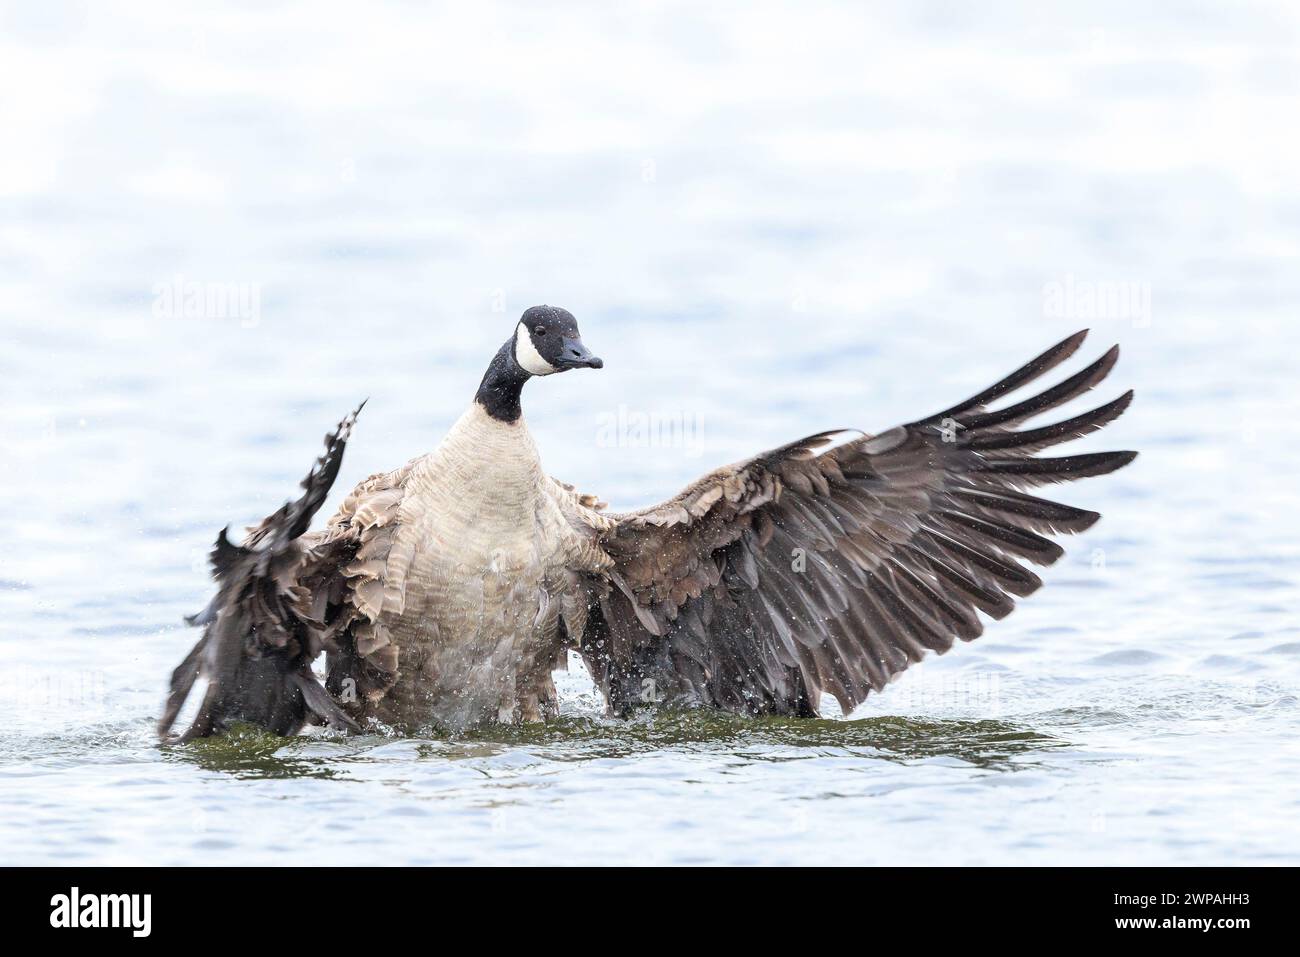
point(545, 341)
point(445, 592)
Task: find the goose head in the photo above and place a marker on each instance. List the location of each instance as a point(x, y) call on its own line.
point(547, 341)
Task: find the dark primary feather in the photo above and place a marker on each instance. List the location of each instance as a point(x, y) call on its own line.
point(259, 641)
point(795, 573)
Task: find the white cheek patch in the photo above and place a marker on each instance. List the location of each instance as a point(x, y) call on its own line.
point(526, 354)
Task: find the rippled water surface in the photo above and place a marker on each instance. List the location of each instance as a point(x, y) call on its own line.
point(768, 223)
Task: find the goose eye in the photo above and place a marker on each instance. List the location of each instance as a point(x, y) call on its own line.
point(540, 330)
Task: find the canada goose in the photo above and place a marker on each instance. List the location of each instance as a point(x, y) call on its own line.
point(448, 591)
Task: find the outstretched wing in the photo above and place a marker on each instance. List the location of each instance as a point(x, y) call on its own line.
point(766, 583)
point(260, 637)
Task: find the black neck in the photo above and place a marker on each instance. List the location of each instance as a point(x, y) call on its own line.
point(502, 383)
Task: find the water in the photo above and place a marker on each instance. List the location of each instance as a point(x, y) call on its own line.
point(768, 223)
